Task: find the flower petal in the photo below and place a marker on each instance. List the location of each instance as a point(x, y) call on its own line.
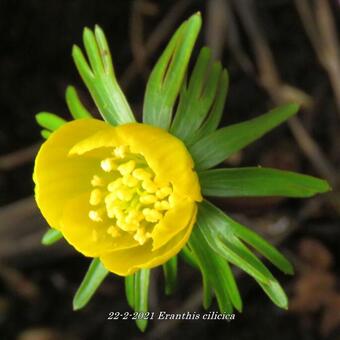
point(126, 262)
point(161, 150)
point(78, 230)
point(59, 177)
point(174, 221)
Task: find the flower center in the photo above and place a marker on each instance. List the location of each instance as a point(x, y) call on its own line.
point(126, 197)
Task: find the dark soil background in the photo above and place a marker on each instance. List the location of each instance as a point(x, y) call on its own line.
point(271, 59)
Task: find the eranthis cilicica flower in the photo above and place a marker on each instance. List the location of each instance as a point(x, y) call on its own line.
point(124, 194)
point(128, 194)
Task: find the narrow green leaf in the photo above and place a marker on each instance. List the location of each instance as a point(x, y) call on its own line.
point(273, 289)
point(239, 182)
point(213, 269)
point(189, 257)
point(170, 275)
point(77, 109)
point(142, 280)
point(219, 145)
point(45, 133)
point(231, 250)
point(51, 236)
point(104, 49)
point(100, 79)
point(92, 280)
point(224, 225)
point(263, 247)
point(221, 236)
point(167, 76)
point(49, 121)
point(276, 293)
point(215, 115)
point(218, 217)
point(232, 288)
point(130, 290)
point(197, 98)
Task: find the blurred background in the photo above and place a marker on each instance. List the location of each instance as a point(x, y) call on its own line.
point(276, 51)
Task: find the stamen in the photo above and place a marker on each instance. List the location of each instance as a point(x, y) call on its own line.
point(149, 186)
point(152, 215)
point(141, 174)
point(108, 164)
point(162, 205)
point(141, 236)
point(128, 226)
point(148, 199)
point(120, 151)
point(163, 192)
point(96, 181)
point(116, 212)
point(127, 168)
point(124, 194)
point(113, 186)
point(96, 196)
point(131, 199)
point(113, 231)
point(95, 215)
point(134, 216)
point(130, 181)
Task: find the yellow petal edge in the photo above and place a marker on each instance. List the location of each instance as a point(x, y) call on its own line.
point(126, 194)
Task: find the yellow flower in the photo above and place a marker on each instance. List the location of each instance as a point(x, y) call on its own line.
point(125, 194)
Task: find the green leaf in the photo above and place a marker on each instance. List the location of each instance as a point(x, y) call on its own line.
point(197, 98)
point(219, 145)
point(49, 121)
point(77, 109)
point(208, 210)
point(276, 293)
point(45, 133)
point(167, 76)
point(189, 257)
point(239, 182)
point(221, 235)
point(130, 290)
point(263, 247)
point(142, 280)
point(100, 78)
point(170, 275)
point(92, 280)
point(215, 272)
point(51, 236)
point(215, 115)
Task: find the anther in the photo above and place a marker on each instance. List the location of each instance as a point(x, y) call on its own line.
point(120, 151)
point(128, 226)
point(127, 168)
point(148, 199)
point(134, 216)
point(96, 196)
point(124, 194)
point(163, 192)
point(152, 215)
point(141, 236)
point(113, 186)
point(108, 164)
point(141, 174)
point(95, 215)
point(130, 181)
point(96, 181)
point(162, 205)
point(113, 231)
point(149, 186)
